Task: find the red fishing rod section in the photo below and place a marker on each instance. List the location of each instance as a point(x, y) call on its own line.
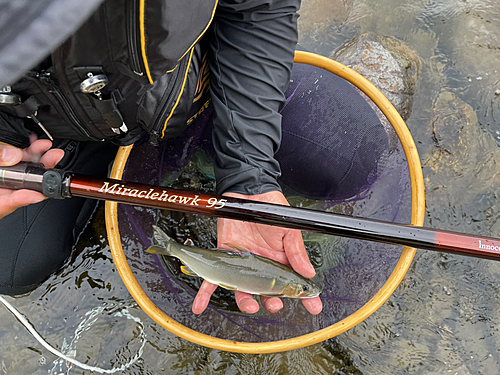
point(59, 184)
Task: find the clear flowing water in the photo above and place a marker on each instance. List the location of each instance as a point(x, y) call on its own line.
point(444, 316)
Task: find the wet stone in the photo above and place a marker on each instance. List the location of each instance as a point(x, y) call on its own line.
point(463, 159)
point(461, 147)
point(387, 63)
point(455, 129)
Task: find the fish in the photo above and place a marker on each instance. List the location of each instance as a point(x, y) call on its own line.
point(236, 269)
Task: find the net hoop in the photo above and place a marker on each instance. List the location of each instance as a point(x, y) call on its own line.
point(417, 219)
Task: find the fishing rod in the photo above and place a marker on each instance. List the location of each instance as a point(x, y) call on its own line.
point(55, 183)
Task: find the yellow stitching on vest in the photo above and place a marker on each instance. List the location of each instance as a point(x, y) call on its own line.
point(180, 94)
point(171, 70)
point(203, 32)
point(143, 40)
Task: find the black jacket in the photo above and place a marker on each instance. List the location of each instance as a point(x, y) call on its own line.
point(154, 55)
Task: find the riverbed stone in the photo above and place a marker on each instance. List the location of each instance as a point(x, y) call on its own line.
point(462, 169)
point(387, 63)
point(455, 129)
point(462, 149)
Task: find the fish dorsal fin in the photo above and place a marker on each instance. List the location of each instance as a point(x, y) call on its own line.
point(188, 271)
point(189, 242)
point(236, 250)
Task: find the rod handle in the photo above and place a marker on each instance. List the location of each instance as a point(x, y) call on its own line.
point(53, 183)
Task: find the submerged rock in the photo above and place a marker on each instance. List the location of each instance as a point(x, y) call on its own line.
point(456, 132)
point(387, 63)
point(462, 169)
point(462, 150)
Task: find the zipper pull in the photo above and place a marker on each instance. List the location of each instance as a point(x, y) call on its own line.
point(121, 130)
point(44, 76)
point(33, 117)
point(124, 128)
point(153, 139)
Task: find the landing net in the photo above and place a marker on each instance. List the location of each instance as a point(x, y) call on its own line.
point(356, 276)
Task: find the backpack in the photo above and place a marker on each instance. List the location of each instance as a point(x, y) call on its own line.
point(133, 67)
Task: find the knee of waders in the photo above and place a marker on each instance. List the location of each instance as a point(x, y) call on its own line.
point(36, 242)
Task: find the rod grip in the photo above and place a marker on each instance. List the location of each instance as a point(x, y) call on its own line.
point(53, 183)
point(22, 176)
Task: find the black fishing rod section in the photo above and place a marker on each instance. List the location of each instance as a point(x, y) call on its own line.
point(59, 184)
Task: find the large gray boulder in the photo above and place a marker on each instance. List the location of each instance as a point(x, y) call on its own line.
point(387, 63)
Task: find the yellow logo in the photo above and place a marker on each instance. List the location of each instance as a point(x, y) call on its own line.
point(203, 79)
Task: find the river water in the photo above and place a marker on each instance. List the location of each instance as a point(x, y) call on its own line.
point(442, 319)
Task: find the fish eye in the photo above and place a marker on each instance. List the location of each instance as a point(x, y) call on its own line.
point(305, 288)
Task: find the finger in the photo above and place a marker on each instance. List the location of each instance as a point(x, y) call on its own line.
point(10, 155)
point(296, 253)
point(246, 303)
point(202, 299)
point(313, 305)
point(36, 150)
point(278, 256)
point(271, 304)
point(11, 201)
point(52, 157)
point(248, 236)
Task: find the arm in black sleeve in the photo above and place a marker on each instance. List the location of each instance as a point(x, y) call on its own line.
point(252, 48)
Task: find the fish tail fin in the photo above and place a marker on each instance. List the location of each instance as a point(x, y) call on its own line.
point(160, 236)
point(162, 242)
point(155, 249)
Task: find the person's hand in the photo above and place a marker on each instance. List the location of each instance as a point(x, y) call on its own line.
point(11, 200)
point(281, 244)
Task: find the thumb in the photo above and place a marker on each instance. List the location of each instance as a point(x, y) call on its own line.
point(9, 155)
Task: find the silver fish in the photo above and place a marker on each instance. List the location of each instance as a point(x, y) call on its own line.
point(236, 269)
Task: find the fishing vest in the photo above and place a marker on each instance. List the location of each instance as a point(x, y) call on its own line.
point(135, 66)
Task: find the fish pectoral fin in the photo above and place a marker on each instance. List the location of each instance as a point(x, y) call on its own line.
point(189, 242)
point(188, 271)
point(227, 287)
point(237, 250)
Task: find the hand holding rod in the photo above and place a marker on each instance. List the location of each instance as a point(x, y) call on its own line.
point(60, 184)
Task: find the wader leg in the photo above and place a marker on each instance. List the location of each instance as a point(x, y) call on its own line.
point(36, 240)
